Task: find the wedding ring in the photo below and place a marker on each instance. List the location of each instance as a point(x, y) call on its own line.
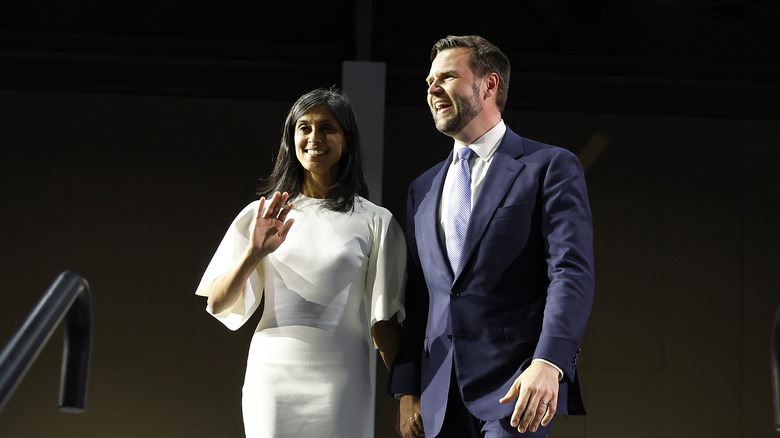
point(543, 403)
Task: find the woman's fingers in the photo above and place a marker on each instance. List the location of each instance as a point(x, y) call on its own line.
point(277, 207)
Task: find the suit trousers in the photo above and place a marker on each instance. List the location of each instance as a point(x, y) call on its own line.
point(460, 423)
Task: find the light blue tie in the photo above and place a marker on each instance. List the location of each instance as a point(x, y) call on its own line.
point(459, 209)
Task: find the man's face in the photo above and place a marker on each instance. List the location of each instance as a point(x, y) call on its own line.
point(453, 91)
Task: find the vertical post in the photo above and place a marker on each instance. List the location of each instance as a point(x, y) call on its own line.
point(364, 15)
point(364, 83)
point(76, 352)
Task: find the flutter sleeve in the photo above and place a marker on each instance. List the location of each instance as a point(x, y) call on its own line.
point(229, 252)
point(386, 273)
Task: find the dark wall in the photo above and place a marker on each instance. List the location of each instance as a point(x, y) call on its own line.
point(134, 192)
point(132, 133)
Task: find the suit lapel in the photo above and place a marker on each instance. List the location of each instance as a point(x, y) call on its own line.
point(499, 178)
point(427, 225)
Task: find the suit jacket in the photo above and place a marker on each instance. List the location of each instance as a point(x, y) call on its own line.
point(524, 289)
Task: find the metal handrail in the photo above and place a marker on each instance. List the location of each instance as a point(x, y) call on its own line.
point(67, 297)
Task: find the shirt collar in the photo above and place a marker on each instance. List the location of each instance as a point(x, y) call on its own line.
point(486, 145)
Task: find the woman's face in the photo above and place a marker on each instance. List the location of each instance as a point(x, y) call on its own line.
point(319, 143)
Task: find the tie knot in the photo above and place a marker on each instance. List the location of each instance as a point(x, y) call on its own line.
point(465, 153)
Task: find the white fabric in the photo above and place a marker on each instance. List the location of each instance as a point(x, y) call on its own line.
point(308, 367)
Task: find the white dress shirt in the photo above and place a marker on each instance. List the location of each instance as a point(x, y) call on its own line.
point(484, 148)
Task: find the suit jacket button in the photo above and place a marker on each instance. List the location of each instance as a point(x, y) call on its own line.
point(449, 336)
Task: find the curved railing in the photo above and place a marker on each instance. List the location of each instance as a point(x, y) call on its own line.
point(67, 297)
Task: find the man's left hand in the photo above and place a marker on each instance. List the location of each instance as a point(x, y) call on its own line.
point(536, 390)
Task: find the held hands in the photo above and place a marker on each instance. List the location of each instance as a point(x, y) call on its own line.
point(271, 226)
point(536, 390)
point(410, 424)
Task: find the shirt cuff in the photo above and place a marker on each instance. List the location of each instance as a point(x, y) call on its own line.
point(560, 371)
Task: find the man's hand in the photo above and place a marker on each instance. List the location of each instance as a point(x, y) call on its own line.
point(410, 424)
point(536, 390)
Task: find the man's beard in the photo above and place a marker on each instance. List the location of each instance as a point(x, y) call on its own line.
point(467, 108)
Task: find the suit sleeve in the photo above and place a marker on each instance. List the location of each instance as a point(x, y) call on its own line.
point(567, 228)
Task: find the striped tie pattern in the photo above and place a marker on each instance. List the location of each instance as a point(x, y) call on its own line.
point(459, 209)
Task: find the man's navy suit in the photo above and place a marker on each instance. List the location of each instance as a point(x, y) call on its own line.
point(524, 289)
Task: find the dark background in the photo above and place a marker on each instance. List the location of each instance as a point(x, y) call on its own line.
point(132, 132)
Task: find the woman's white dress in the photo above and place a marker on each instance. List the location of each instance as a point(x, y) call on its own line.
point(336, 274)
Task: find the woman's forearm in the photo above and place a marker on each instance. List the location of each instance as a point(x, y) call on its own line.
point(225, 290)
point(387, 337)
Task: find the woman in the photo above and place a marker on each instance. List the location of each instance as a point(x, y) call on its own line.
point(330, 267)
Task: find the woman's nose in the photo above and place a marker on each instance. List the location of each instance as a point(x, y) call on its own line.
point(315, 137)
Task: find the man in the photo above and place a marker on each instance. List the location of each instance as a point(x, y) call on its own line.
point(500, 281)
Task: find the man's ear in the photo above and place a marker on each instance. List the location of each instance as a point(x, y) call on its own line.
point(491, 85)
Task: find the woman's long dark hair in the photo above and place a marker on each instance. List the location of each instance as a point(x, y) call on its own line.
point(288, 173)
